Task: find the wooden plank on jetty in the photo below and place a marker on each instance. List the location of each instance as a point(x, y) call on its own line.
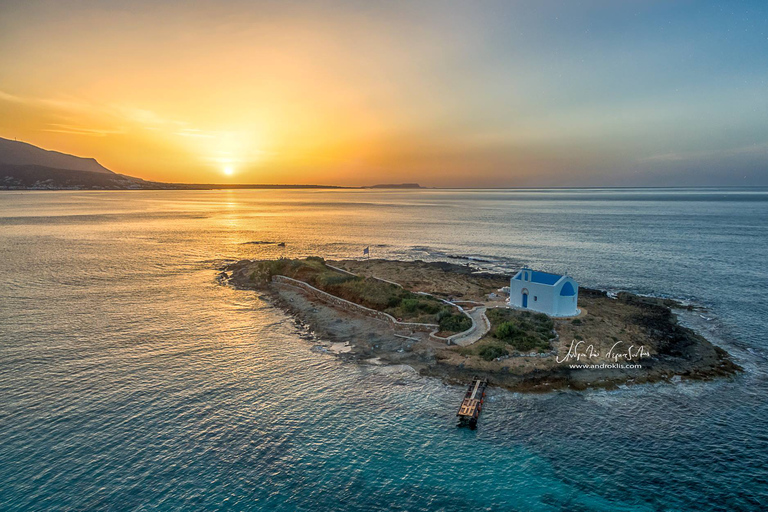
point(472, 405)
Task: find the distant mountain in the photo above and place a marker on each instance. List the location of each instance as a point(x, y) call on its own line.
point(20, 153)
point(24, 166)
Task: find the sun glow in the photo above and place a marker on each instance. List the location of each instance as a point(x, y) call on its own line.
point(229, 171)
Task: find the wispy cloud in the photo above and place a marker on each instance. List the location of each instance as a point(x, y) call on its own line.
point(146, 118)
point(116, 113)
point(80, 130)
point(11, 98)
point(686, 156)
point(193, 132)
point(60, 103)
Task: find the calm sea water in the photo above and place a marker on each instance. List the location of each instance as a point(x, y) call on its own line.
point(130, 380)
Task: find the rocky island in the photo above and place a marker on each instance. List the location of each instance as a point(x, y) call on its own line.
point(451, 321)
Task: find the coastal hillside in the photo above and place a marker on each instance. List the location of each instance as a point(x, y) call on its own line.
point(27, 167)
point(38, 177)
point(17, 153)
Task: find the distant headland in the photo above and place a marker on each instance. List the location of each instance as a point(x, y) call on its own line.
point(396, 185)
point(454, 322)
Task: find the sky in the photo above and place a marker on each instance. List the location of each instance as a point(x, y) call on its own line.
point(446, 94)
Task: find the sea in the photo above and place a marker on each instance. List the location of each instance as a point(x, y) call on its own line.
point(131, 379)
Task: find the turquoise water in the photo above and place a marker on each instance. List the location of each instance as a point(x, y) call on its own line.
point(130, 380)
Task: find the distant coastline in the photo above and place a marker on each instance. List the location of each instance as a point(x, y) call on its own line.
point(24, 166)
point(37, 177)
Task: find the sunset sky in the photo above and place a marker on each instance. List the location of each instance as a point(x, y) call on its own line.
point(537, 93)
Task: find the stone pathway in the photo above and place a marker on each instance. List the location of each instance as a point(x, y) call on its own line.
point(482, 326)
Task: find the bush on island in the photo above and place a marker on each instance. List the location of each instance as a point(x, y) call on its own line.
point(491, 352)
point(453, 322)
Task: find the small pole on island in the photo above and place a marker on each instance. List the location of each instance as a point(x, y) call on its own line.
point(367, 252)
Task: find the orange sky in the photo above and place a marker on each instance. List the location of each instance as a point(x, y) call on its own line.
point(341, 93)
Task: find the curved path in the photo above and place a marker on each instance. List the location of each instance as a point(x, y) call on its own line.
point(482, 326)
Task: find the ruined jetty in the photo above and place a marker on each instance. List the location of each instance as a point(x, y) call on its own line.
point(472, 405)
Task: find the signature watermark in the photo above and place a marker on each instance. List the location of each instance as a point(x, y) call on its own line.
point(620, 352)
point(605, 366)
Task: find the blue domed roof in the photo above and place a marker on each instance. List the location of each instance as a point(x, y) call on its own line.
point(568, 290)
point(539, 277)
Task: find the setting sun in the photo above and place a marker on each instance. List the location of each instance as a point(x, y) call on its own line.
point(229, 171)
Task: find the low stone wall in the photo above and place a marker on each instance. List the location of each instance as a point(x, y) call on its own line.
point(346, 305)
point(356, 275)
point(341, 270)
point(387, 281)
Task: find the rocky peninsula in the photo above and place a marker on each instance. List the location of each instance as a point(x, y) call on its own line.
point(451, 321)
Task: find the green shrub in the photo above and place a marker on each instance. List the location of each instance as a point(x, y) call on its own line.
point(429, 307)
point(453, 322)
point(410, 305)
point(394, 301)
point(333, 278)
point(491, 352)
point(375, 294)
point(525, 343)
point(576, 321)
point(508, 331)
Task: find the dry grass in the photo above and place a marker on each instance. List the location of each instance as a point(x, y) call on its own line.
point(440, 279)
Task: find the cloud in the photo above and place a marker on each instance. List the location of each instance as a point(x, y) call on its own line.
point(193, 132)
point(4, 96)
point(119, 114)
point(688, 156)
point(146, 118)
point(80, 130)
point(69, 104)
